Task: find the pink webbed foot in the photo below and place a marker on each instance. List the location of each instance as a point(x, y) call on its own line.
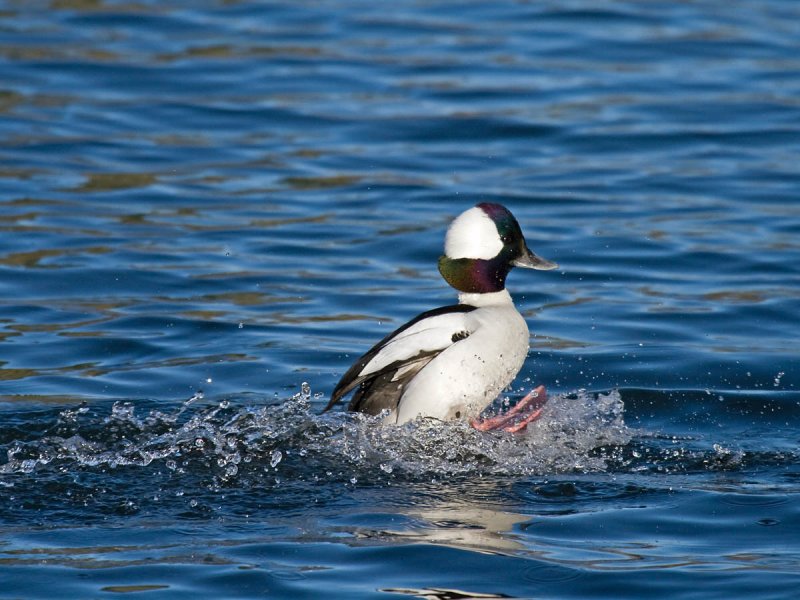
point(517, 418)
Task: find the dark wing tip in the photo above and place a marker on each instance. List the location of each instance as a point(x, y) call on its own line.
point(344, 386)
point(331, 403)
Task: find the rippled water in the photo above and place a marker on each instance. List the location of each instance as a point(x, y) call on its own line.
point(208, 210)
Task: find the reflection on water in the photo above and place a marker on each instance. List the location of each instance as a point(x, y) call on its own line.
point(441, 593)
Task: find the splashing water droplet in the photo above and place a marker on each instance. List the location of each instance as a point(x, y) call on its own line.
point(122, 411)
point(246, 444)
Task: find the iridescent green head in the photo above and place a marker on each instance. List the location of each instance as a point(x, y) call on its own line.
point(481, 247)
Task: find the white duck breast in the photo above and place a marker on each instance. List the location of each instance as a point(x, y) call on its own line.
point(465, 377)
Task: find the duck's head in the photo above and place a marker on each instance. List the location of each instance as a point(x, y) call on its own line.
point(481, 247)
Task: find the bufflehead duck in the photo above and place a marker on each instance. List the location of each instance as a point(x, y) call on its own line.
point(451, 362)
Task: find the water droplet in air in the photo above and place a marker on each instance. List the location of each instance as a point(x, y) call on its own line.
point(276, 457)
point(767, 522)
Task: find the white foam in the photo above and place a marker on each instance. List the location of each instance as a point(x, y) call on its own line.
point(227, 441)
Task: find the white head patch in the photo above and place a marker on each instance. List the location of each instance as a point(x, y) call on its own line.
point(472, 235)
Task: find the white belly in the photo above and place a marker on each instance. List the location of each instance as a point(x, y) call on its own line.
point(467, 376)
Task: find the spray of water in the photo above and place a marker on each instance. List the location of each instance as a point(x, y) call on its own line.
point(227, 438)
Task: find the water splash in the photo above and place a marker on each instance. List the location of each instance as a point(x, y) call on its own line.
point(230, 440)
point(240, 454)
point(562, 440)
point(776, 382)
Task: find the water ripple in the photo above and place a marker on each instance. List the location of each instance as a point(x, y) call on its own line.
point(238, 197)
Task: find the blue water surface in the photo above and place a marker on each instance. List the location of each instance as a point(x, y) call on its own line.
point(210, 209)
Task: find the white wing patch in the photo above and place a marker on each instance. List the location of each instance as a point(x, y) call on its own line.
point(429, 335)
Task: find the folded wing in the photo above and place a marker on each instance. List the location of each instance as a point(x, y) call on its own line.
point(380, 375)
